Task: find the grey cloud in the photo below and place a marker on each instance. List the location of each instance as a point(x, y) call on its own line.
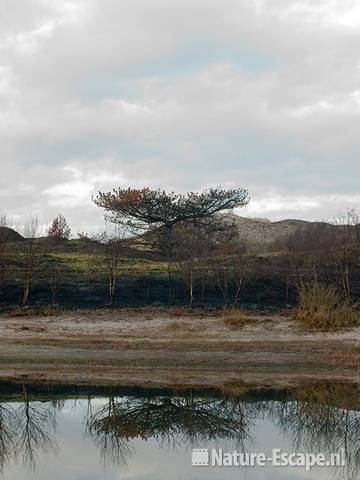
point(119, 91)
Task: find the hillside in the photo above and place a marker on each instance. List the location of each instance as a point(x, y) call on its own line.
point(259, 233)
point(262, 233)
point(9, 235)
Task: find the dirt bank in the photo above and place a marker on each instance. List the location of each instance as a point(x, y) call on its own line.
point(154, 349)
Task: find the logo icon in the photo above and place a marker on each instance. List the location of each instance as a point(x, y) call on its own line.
point(200, 457)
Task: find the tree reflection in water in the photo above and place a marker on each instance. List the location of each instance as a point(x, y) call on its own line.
point(323, 419)
point(35, 423)
point(174, 420)
point(317, 418)
point(26, 432)
point(7, 435)
point(102, 425)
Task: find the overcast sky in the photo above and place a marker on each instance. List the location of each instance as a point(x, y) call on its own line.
point(180, 95)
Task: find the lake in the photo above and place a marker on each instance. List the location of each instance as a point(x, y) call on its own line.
point(77, 434)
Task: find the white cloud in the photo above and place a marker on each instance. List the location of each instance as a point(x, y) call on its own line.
point(344, 13)
point(71, 194)
point(316, 207)
point(276, 204)
point(78, 190)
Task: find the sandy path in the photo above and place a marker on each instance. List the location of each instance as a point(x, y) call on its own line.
point(152, 349)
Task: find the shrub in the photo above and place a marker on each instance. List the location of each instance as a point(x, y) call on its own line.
point(322, 308)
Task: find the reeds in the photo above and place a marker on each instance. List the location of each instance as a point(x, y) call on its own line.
point(321, 307)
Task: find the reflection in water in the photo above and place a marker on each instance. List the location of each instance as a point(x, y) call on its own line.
point(172, 420)
point(320, 418)
point(109, 435)
point(34, 424)
point(323, 419)
point(26, 431)
point(7, 435)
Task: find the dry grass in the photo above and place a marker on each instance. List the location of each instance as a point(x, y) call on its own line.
point(152, 311)
point(234, 318)
point(322, 308)
point(33, 311)
point(175, 326)
point(181, 326)
point(178, 311)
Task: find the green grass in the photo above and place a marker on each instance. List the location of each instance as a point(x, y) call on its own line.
point(80, 267)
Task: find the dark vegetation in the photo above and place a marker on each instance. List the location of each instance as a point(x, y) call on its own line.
point(187, 250)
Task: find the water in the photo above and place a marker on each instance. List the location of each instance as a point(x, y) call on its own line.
point(129, 435)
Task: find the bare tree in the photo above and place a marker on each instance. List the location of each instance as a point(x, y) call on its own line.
point(221, 275)
point(346, 246)
point(240, 270)
point(30, 257)
point(54, 275)
point(108, 252)
point(191, 243)
point(229, 267)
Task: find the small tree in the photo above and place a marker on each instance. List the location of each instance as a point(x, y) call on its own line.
point(108, 252)
point(190, 244)
point(54, 273)
point(59, 229)
point(30, 257)
point(347, 247)
point(239, 270)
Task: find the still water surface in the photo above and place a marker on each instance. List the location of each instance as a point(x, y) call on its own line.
point(142, 436)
